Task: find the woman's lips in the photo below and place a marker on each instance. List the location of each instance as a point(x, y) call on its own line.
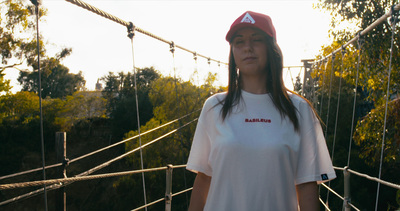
point(250, 58)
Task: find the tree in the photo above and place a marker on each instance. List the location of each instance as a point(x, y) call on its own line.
point(81, 106)
point(371, 141)
point(19, 129)
point(121, 99)
point(18, 40)
point(57, 82)
point(17, 27)
point(376, 47)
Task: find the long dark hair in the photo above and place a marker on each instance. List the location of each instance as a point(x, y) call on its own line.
point(275, 85)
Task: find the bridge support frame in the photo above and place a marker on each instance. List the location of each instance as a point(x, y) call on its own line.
point(168, 188)
point(347, 199)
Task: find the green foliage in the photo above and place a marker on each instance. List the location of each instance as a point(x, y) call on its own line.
point(369, 135)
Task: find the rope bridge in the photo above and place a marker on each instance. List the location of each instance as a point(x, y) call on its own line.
point(52, 184)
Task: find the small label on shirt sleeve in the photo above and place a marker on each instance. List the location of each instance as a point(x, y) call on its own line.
point(324, 177)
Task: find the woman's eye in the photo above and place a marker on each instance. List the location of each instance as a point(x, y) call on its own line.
point(238, 42)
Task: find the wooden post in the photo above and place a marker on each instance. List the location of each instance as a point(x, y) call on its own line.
point(61, 153)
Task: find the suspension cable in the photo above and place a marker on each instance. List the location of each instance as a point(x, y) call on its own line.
point(131, 35)
point(104, 14)
point(360, 42)
point(393, 20)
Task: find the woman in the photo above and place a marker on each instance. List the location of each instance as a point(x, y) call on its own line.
point(258, 146)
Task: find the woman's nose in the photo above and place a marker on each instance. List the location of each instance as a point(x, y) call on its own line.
point(248, 45)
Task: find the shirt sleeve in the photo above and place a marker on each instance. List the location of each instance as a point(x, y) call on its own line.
point(201, 146)
point(314, 162)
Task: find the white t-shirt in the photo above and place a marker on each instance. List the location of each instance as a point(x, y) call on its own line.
point(255, 157)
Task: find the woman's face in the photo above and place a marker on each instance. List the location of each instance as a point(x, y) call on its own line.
point(249, 50)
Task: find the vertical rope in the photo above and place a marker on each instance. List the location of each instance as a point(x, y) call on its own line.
point(37, 3)
point(337, 116)
point(172, 50)
point(329, 96)
point(131, 34)
point(322, 90)
point(393, 24)
point(338, 104)
point(360, 40)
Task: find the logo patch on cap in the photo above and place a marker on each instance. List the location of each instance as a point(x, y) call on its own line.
point(324, 177)
point(248, 19)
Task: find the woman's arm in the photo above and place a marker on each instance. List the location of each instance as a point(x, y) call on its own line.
point(307, 196)
point(199, 192)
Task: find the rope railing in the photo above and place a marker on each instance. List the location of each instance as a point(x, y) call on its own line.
point(324, 204)
point(104, 14)
point(55, 183)
point(96, 151)
point(75, 179)
point(160, 200)
point(56, 186)
point(383, 182)
point(134, 150)
point(363, 32)
point(30, 171)
point(149, 204)
point(338, 195)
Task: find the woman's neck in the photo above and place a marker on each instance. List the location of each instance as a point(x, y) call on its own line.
point(254, 84)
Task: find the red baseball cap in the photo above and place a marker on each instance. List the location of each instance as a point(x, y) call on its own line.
point(252, 19)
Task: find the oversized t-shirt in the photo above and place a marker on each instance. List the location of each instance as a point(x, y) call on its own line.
point(255, 157)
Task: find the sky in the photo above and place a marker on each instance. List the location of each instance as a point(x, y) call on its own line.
point(100, 46)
